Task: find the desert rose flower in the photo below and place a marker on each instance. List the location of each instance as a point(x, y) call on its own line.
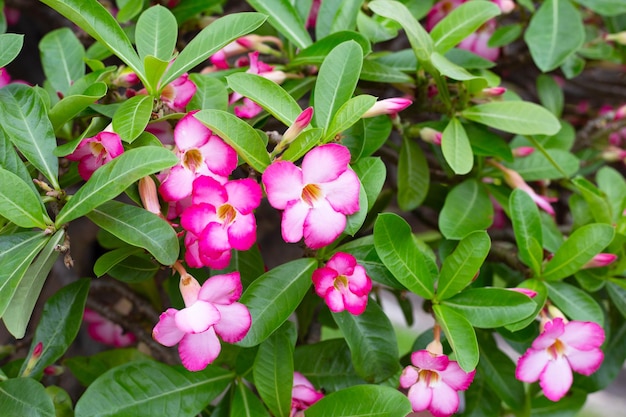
point(343, 284)
point(5, 78)
point(562, 347)
point(105, 331)
point(315, 198)
point(303, 395)
point(242, 45)
point(177, 94)
point(210, 311)
point(96, 151)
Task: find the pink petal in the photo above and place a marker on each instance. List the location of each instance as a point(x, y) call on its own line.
point(299, 379)
point(355, 304)
point(192, 253)
point(87, 166)
point(184, 89)
point(325, 163)
point(222, 289)
point(218, 156)
point(242, 232)
point(556, 379)
point(585, 362)
point(178, 184)
point(209, 190)
point(197, 317)
point(216, 260)
point(283, 183)
point(214, 240)
point(305, 394)
point(322, 225)
point(190, 133)
point(334, 300)
point(235, 323)
point(456, 377)
point(531, 365)
point(551, 331)
point(420, 396)
point(294, 216)
point(323, 280)
point(445, 401)
point(198, 350)
point(583, 335)
point(342, 262)
point(343, 192)
point(196, 217)
point(248, 109)
point(166, 332)
point(112, 143)
point(359, 283)
point(408, 377)
point(425, 360)
point(245, 195)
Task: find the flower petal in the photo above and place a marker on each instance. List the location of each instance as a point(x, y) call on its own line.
point(531, 365)
point(197, 318)
point(235, 322)
point(425, 360)
point(325, 163)
point(208, 190)
point(551, 331)
point(190, 133)
point(342, 262)
point(196, 217)
point(292, 224)
point(222, 289)
point(556, 379)
point(445, 401)
point(322, 225)
point(585, 362)
point(198, 350)
point(166, 332)
point(214, 240)
point(355, 304)
point(583, 335)
point(456, 377)
point(334, 300)
point(242, 232)
point(245, 195)
point(178, 184)
point(343, 193)
point(408, 376)
point(283, 183)
point(420, 396)
point(359, 283)
point(219, 157)
point(323, 280)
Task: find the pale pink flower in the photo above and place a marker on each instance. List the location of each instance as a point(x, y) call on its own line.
point(303, 395)
point(343, 284)
point(506, 6)
point(430, 135)
point(210, 311)
point(200, 153)
point(477, 41)
point(96, 151)
point(600, 260)
point(177, 94)
point(434, 382)
point(390, 106)
point(315, 198)
point(560, 349)
point(148, 195)
point(105, 331)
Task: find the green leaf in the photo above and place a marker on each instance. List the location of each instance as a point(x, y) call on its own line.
point(136, 268)
point(127, 10)
point(413, 175)
point(154, 69)
point(504, 35)
point(245, 403)
point(574, 302)
point(19, 310)
point(467, 208)
point(366, 136)
point(274, 296)
point(456, 148)
point(25, 397)
point(238, 134)
point(362, 401)
point(211, 39)
point(555, 32)
point(536, 166)
point(62, 58)
point(372, 173)
point(267, 94)
point(347, 115)
point(11, 161)
point(186, 10)
point(568, 406)
point(450, 69)
point(302, 144)
point(539, 300)
point(70, 106)
point(107, 261)
point(612, 183)
point(24, 120)
point(604, 7)
point(132, 117)
point(520, 117)
point(113, 178)
point(336, 16)
point(596, 200)
point(460, 333)
point(156, 33)
point(365, 253)
point(372, 342)
point(395, 246)
point(149, 388)
point(285, 19)
point(87, 369)
point(336, 81)
point(316, 53)
point(550, 94)
point(59, 324)
point(527, 227)
point(138, 227)
point(577, 250)
point(210, 93)
point(381, 73)
point(10, 47)
point(460, 23)
point(491, 307)
point(461, 266)
point(19, 204)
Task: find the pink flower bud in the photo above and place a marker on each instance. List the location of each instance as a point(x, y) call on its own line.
point(301, 122)
point(37, 351)
point(494, 91)
point(600, 260)
point(613, 154)
point(53, 370)
point(523, 151)
point(148, 194)
point(530, 293)
point(389, 106)
point(515, 180)
point(620, 113)
point(619, 37)
point(430, 135)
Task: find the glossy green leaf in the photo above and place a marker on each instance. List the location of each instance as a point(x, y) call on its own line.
point(372, 173)
point(504, 35)
point(11, 161)
point(24, 120)
point(362, 401)
point(613, 184)
point(285, 19)
point(366, 136)
point(87, 369)
point(527, 227)
point(520, 117)
point(154, 69)
point(336, 16)
point(274, 296)
point(374, 29)
point(480, 400)
point(136, 268)
point(460, 334)
point(450, 69)
point(316, 53)
point(210, 40)
point(10, 47)
point(395, 246)
point(70, 106)
point(381, 73)
point(461, 266)
point(156, 33)
point(460, 23)
point(596, 200)
point(372, 342)
point(245, 403)
point(550, 94)
point(574, 302)
point(59, 324)
point(604, 7)
point(25, 397)
point(577, 250)
point(149, 388)
point(127, 10)
point(467, 208)
point(365, 253)
point(304, 142)
point(132, 117)
point(456, 148)
point(413, 175)
point(210, 93)
point(568, 406)
point(113, 178)
point(539, 300)
point(347, 115)
point(336, 81)
point(19, 310)
point(62, 58)
point(188, 9)
point(555, 31)
point(107, 261)
point(19, 204)
point(536, 166)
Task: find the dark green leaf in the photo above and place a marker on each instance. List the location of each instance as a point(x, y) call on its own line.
point(336, 16)
point(596, 199)
point(210, 93)
point(527, 227)
point(550, 94)
point(245, 403)
point(304, 142)
point(87, 369)
point(107, 261)
point(134, 269)
point(285, 19)
point(413, 175)
point(19, 204)
point(70, 106)
point(347, 115)
point(574, 302)
point(604, 7)
point(156, 33)
point(132, 117)
point(366, 136)
point(381, 73)
point(568, 406)
point(362, 401)
point(467, 208)
point(25, 397)
point(315, 54)
point(11, 161)
point(460, 333)
point(372, 173)
point(521, 117)
point(456, 148)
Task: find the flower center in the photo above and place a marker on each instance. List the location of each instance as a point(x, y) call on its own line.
point(556, 350)
point(192, 160)
point(341, 282)
point(311, 193)
point(226, 213)
point(97, 149)
point(430, 377)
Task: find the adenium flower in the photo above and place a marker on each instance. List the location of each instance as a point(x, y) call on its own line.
point(5, 78)
point(211, 310)
point(343, 284)
point(96, 151)
point(434, 382)
point(105, 331)
point(562, 347)
point(315, 198)
point(242, 45)
point(303, 395)
point(177, 94)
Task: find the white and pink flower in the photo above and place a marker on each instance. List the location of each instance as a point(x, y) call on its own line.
point(303, 395)
point(177, 94)
point(96, 151)
point(343, 284)
point(390, 106)
point(315, 198)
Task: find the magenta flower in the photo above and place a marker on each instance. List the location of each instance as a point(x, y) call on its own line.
point(303, 395)
point(600, 260)
point(210, 311)
point(343, 284)
point(96, 151)
point(434, 382)
point(315, 198)
point(560, 348)
point(221, 218)
point(477, 41)
point(177, 94)
point(105, 331)
point(5, 78)
point(200, 153)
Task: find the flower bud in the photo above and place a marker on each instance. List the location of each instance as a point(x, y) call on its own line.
point(301, 122)
point(619, 37)
point(430, 135)
point(523, 151)
point(389, 106)
point(148, 195)
point(494, 91)
point(600, 260)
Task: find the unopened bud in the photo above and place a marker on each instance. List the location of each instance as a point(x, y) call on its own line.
point(620, 113)
point(600, 260)
point(556, 313)
point(522, 151)
point(34, 358)
point(526, 291)
point(301, 122)
point(494, 91)
point(613, 154)
point(430, 135)
point(148, 195)
point(389, 106)
point(619, 37)
point(53, 370)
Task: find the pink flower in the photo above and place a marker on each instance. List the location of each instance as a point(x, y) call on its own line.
point(221, 218)
point(177, 94)
point(312, 18)
point(439, 11)
point(96, 151)
point(5, 78)
point(434, 382)
point(430, 135)
point(315, 198)
point(210, 311)
point(477, 42)
point(303, 395)
point(242, 45)
point(559, 349)
point(248, 110)
point(343, 284)
point(106, 332)
point(200, 153)
point(390, 106)
point(600, 260)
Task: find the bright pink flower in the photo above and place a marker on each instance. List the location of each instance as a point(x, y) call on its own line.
point(105, 331)
point(506, 6)
point(560, 348)
point(96, 151)
point(390, 106)
point(177, 94)
point(303, 395)
point(248, 110)
point(343, 284)
point(210, 311)
point(526, 291)
point(312, 18)
point(315, 198)
point(200, 153)
point(163, 131)
point(477, 42)
point(5, 78)
point(600, 260)
point(434, 382)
